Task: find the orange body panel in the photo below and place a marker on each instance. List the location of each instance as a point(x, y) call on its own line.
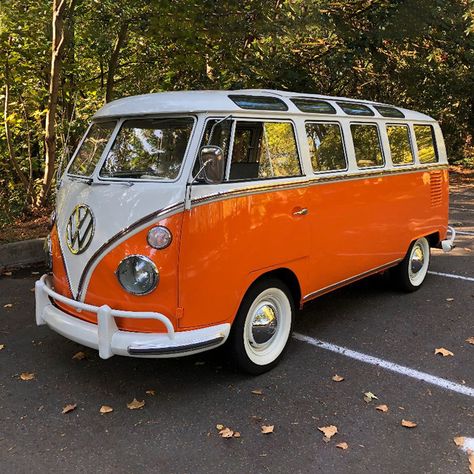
point(220, 247)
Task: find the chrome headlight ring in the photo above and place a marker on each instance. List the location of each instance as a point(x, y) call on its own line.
point(138, 275)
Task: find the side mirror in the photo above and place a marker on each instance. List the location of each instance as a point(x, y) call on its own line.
point(212, 163)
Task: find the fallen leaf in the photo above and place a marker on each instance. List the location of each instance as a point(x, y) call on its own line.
point(369, 396)
point(150, 392)
point(219, 427)
point(449, 299)
point(69, 408)
point(8, 274)
point(471, 462)
point(257, 392)
point(267, 429)
point(135, 404)
point(342, 445)
point(35, 273)
point(444, 352)
point(328, 431)
point(236, 434)
point(2, 346)
point(105, 409)
point(467, 249)
point(459, 440)
point(470, 340)
point(8, 305)
point(27, 376)
point(79, 355)
point(337, 378)
point(382, 408)
point(408, 424)
point(226, 433)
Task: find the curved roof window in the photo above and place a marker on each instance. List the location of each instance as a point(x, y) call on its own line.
point(258, 102)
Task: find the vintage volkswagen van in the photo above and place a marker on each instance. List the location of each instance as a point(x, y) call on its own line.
point(186, 220)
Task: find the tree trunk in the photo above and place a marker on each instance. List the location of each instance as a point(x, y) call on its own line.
point(113, 62)
point(57, 49)
point(27, 184)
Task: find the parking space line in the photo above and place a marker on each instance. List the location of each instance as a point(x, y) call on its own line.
point(385, 364)
point(451, 275)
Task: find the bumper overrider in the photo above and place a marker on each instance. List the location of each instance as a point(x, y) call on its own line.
point(109, 340)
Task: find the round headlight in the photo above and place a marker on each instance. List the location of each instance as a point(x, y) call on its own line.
point(159, 237)
point(138, 274)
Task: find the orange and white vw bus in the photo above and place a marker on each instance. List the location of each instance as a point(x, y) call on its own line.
point(186, 220)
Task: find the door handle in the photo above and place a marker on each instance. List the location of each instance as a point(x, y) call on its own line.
point(301, 212)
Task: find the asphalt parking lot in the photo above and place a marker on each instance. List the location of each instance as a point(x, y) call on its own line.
point(175, 431)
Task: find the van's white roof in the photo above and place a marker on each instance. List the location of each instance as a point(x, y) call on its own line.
point(217, 102)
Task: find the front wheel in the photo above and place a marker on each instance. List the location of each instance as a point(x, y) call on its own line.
point(262, 327)
point(410, 273)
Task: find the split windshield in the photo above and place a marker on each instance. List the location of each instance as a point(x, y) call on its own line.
point(152, 148)
point(148, 149)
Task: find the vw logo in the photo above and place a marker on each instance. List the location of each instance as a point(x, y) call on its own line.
point(80, 229)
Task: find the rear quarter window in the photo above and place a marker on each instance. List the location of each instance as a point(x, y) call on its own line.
point(426, 143)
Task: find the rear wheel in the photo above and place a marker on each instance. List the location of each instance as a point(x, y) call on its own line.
point(411, 272)
point(262, 327)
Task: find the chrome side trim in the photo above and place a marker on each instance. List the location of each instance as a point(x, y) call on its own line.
point(349, 280)
point(314, 181)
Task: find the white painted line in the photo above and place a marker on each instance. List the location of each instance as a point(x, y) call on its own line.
point(468, 444)
point(385, 364)
point(451, 275)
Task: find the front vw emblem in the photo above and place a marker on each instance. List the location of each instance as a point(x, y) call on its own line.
point(80, 229)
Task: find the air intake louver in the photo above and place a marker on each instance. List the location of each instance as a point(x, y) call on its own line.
point(436, 180)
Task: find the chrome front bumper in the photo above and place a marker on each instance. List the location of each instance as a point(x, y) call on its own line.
point(109, 340)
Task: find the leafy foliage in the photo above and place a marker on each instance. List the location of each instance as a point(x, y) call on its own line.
point(413, 53)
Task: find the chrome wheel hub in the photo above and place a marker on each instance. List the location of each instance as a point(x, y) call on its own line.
point(264, 324)
point(417, 260)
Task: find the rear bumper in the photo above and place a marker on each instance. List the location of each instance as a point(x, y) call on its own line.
point(448, 244)
point(109, 340)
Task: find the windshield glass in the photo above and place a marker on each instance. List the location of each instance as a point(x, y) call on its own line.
point(91, 149)
point(148, 149)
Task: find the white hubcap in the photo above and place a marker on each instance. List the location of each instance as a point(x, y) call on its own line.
point(419, 261)
point(267, 326)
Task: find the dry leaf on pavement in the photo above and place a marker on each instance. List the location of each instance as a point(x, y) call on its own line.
point(150, 392)
point(226, 433)
point(328, 431)
point(444, 352)
point(8, 274)
point(408, 424)
point(8, 305)
point(449, 299)
point(135, 404)
point(470, 340)
point(369, 396)
point(219, 427)
point(2, 346)
point(382, 408)
point(79, 355)
point(471, 462)
point(257, 392)
point(337, 378)
point(459, 440)
point(27, 376)
point(69, 408)
point(342, 445)
point(267, 429)
point(105, 409)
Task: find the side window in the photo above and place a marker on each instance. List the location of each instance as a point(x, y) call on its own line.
point(400, 145)
point(220, 137)
point(367, 147)
point(426, 143)
point(264, 150)
point(326, 146)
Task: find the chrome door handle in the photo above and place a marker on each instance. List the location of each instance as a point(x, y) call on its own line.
point(301, 212)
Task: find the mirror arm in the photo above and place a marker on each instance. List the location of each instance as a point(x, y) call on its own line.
point(187, 199)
